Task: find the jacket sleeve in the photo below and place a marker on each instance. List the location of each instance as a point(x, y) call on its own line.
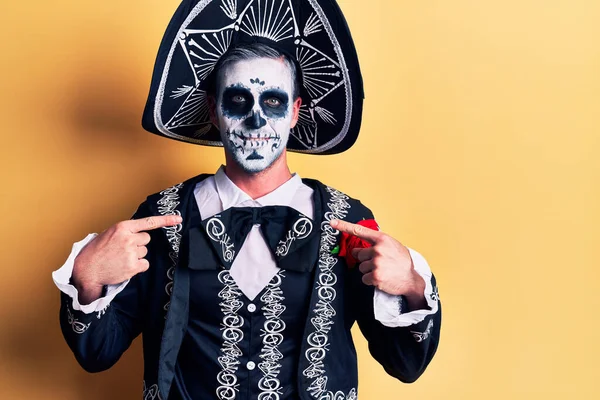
point(62, 278)
point(403, 351)
point(392, 311)
point(100, 338)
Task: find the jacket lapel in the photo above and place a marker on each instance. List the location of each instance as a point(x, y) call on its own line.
point(322, 315)
point(180, 201)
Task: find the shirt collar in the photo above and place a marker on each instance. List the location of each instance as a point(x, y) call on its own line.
point(232, 196)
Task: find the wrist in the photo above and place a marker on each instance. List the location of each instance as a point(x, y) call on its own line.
point(82, 280)
point(87, 292)
point(416, 296)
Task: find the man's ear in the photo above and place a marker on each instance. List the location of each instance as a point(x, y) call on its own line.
point(212, 110)
point(296, 111)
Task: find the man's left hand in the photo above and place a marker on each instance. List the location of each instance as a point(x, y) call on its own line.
point(387, 264)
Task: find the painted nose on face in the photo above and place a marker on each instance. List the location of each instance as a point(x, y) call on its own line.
point(255, 121)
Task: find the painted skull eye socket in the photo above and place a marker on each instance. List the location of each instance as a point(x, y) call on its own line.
point(272, 102)
point(237, 102)
point(238, 99)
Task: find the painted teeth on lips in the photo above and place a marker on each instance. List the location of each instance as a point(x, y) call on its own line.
point(255, 136)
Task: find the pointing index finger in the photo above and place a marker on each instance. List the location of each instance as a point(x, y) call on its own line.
point(360, 231)
point(154, 222)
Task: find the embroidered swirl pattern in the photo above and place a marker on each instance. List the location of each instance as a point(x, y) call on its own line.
point(167, 205)
point(421, 336)
point(80, 327)
point(232, 335)
point(77, 326)
point(151, 393)
point(435, 295)
point(216, 232)
point(301, 230)
point(322, 321)
point(272, 334)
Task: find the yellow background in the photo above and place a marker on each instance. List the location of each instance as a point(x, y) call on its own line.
point(479, 148)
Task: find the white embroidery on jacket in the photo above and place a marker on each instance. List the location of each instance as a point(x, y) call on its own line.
point(421, 336)
point(232, 335)
point(318, 340)
point(215, 229)
point(151, 393)
point(301, 230)
point(167, 205)
point(272, 334)
point(77, 326)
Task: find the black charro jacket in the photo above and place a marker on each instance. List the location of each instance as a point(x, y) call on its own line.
point(155, 304)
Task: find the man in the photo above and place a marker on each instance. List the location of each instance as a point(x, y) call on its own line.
point(245, 284)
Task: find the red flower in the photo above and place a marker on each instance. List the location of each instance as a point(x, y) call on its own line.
point(349, 242)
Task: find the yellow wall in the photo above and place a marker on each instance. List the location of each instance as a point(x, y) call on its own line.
point(479, 148)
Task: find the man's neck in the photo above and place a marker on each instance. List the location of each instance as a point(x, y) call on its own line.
point(259, 184)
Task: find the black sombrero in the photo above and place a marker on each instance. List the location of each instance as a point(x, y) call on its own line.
point(313, 31)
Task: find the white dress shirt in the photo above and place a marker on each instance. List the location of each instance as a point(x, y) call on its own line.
point(255, 266)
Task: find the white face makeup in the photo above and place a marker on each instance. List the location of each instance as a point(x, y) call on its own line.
point(254, 109)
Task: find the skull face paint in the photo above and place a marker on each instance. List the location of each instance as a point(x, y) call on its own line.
point(254, 109)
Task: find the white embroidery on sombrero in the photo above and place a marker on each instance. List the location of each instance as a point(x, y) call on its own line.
point(193, 111)
point(282, 26)
point(306, 129)
point(202, 131)
point(203, 55)
point(319, 79)
point(273, 19)
point(229, 7)
point(182, 91)
point(325, 115)
point(313, 25)
point(344, 82)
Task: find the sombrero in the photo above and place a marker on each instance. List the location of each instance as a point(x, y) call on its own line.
point(314, 32)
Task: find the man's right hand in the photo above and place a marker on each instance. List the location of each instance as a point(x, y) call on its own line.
point(115, 255)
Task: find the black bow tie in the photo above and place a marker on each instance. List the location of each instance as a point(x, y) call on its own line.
point(292, 237)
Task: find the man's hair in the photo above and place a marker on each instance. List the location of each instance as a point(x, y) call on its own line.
point(250, 51)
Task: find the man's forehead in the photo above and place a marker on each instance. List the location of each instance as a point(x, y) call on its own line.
point(258, 71)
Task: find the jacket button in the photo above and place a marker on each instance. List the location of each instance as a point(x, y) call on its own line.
point(251, 307)
point(250, 365)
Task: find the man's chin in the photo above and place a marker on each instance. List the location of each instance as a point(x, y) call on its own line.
point(253, 162)
point(254, 156)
